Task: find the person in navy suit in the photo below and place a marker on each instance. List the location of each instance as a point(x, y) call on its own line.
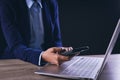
point(21, 38)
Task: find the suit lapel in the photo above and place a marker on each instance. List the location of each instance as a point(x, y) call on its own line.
point(25, 20)
point(47, 24)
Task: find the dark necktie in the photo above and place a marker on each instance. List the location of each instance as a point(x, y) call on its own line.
point(37, 29)
point(36, 6)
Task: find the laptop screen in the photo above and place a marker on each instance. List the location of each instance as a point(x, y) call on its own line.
point(112, 42)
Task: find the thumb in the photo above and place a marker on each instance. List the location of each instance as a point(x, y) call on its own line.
point(57, 49)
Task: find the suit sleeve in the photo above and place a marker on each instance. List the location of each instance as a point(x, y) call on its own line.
point(8, 23)
point(57, 32)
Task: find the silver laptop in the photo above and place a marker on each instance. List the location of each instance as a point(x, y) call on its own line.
point(83, 68)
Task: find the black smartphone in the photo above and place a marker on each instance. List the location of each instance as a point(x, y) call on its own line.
point(75, 51)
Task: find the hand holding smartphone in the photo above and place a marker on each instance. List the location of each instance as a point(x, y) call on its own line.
point(75, 51)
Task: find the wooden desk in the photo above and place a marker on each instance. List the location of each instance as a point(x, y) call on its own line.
point(19, 70)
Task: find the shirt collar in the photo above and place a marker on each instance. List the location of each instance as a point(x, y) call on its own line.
point(30, 3)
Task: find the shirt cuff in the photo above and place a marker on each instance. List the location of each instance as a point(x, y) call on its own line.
point(39, 62)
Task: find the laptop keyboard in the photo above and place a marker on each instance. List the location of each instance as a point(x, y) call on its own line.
point(82, 66)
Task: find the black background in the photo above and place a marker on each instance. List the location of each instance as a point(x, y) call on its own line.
point(89, 22)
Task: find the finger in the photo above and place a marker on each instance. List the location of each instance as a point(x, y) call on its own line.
point(67, 48)
point(56, 62)
point(57, 49)
point(63, 58)
point(70, 48)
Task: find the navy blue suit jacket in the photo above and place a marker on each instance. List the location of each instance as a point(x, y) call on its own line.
point(15, 29)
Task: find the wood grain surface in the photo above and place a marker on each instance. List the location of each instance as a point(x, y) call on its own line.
point(14, 69)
